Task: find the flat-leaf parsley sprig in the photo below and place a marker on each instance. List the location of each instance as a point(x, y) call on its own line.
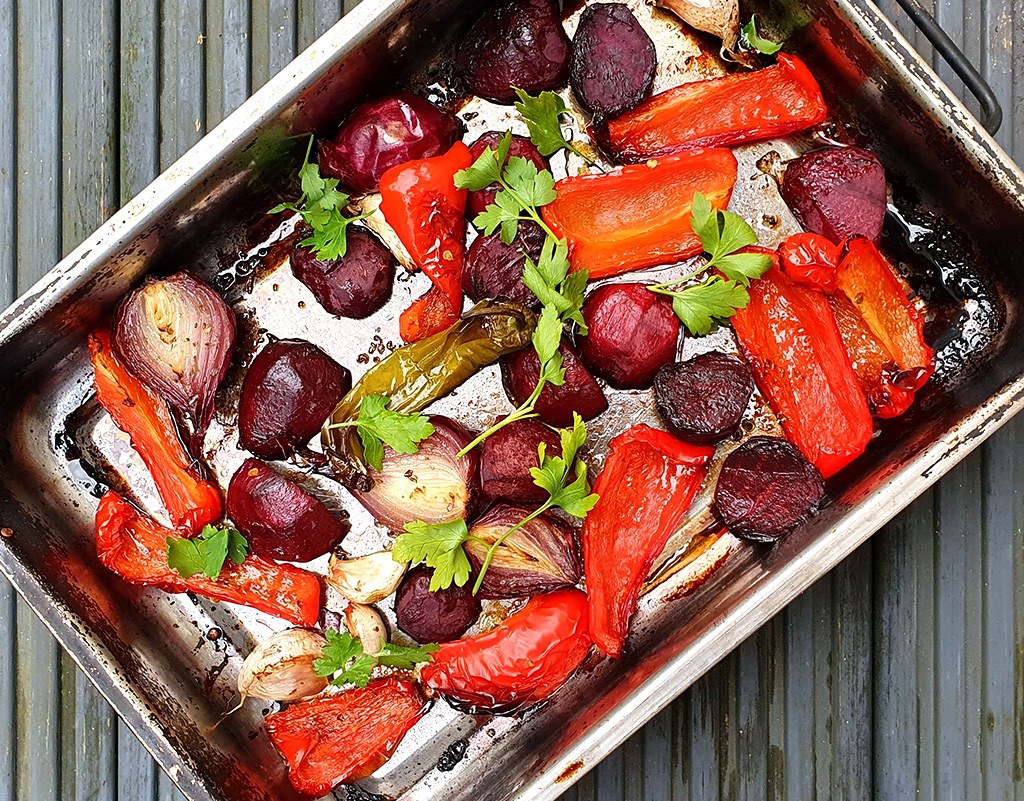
point(440, 545)
point(376, 424)
point(703, 305)
point(346, 662)
point(321, 207)
point(750, 39)
point(206, 553)
point(543, 117)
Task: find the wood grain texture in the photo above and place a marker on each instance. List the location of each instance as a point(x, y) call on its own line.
point(899, 675)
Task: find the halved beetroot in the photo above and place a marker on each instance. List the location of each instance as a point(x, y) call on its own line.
point(495, 270)
point(633, 332)
point(520, 146)
point(580, 393)
point(506, 458)
point(838, 193)
point(516, 43)
point(702, 400)
point(356, 285)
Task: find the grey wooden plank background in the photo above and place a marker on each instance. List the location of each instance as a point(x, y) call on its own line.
point(901, 674)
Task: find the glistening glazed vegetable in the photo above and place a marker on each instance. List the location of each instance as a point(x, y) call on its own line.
point(281, 667)
point(418, 374)
point(176, 335)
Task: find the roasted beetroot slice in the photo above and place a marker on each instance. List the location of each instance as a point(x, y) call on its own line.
point(356, 285)
point(440, 616)
point(506, 458)
point(839, 192)
point(632, 333)
point(702, 400)
point(517, 43)
point(580, 393)
point(613, 60)
point(520, 146)
point(495, 270)
point(766, 488)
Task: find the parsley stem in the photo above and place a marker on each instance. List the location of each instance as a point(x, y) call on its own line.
point(522, 413)
point(661, 288)
point(528, 208)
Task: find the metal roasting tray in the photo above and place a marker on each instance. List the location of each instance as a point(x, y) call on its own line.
point(168, 663)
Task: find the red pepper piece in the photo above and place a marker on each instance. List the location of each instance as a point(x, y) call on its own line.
point(866, 278)
point(419, 200)
point(521, 662)
point(428, 315)
point(810, 259)
point(646, 487)
point(872, 362)
point(742, 107)
point(792, 342)
point(135, 547)
point(638, 216)
point(332, 739)
point(190, 501)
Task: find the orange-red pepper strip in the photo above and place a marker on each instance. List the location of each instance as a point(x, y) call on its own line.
point(429, 314)
point(792, 343)
point(645, 489)
point(190, 501)
point(419, 200)
point(135, 547)
point(742, 107)
point(638, 216)
point(332, 739)
point(866, 278)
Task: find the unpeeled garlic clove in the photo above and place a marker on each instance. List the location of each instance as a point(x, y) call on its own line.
point(281, 667)
point(365, 622)
point(367, 579)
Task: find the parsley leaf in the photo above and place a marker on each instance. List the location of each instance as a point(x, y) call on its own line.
point(321, 207)
point(751, 41)
point(376, 424)
point(344, 660)
point(543, 117)
point(405, 658)
point(207, 553)
point(440, 546)
point(703, 306)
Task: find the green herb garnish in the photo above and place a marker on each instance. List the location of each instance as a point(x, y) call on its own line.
point(207, 553)
point(321, 206)
point(376, 424)
point(346, 662)
point(750, 40)
point(704, 305)
point(543, 117)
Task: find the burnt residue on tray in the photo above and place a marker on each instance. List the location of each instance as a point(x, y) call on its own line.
point(452, 755)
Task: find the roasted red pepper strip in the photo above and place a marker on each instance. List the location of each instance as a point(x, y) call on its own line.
point(521, 662)
point(190, 501)
point(741, 107)
point(645, 489)
point(792, 342)
point(332, 739)
point(135, 547)
point(866, 278)
point(810, 259)
point(419, 200)
point(638, 216)
point(428, 315)
point(872, 362)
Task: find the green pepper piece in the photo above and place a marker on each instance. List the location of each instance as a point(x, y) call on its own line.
point(418, 374)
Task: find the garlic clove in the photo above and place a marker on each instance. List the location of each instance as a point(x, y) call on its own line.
point(365, 622)
point(281, 667)
point(367, 579)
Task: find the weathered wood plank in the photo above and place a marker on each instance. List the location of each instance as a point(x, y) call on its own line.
point(316, 17)
point(182, 110)
point(228, 25)
point(274, 41)
point(139, 133)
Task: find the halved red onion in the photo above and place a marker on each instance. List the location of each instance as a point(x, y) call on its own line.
point(431, 485)
point(176, 335)
point(542, 556)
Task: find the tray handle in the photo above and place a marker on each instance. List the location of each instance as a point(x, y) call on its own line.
point(991, 111)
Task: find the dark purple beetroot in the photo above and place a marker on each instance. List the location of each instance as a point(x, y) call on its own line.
point(766, 488)
point(520, 146)
point(495, 270)
point(702, 400)
point(506, 458)
point(580, 393)
point(518, 43)
point(837, 193)
point(613, 60)
point(279, 518)
point(356, 285)
point(440, 616)
point(633, 332)
point(383, 133)
point(290, 389)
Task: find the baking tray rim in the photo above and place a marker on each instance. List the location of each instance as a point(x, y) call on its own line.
point(781, 587)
